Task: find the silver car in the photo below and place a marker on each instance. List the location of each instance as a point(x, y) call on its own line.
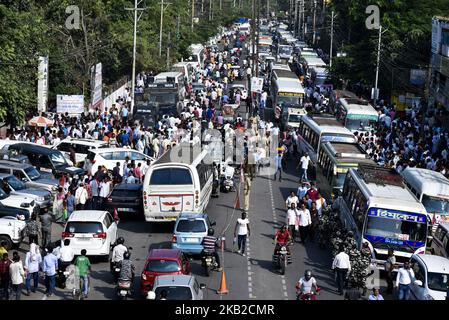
point(11, 185)
point(178, 287)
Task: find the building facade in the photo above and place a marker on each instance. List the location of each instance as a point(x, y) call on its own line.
point(439, 80)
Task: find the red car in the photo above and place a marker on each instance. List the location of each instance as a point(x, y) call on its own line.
point(162, 262)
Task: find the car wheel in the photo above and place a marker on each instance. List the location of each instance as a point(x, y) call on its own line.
point(9, 243)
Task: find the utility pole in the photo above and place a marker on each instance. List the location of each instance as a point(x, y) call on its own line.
point(193, 13)
point(202, 6)
point(295, 30)
point(268, 9)
point(136, 19)
point(314, 21)
point(163, 8)
point(221, 5)
point(303, 9)
point(168, 50)
point(332, 38)
point(210, 10)
point(375, 94)
point(257, 36)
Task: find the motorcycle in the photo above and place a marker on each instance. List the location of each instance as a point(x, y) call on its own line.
point(307, 296)
point(124, 287)
point(282, 258)
point(115, 269)
point(73, 282)
point(227, 184)
point(208, 262)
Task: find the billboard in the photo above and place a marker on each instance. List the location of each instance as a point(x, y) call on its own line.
point(97, 86)
point(70, 104)
point(256, 84)
point(42, 85)
point(418, 77)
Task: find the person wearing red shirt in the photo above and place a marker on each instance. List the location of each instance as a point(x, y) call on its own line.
point(313, 192)
point(282, 238)
point(5, 278)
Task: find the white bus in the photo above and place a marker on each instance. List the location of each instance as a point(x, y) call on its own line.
point(313, 132)
point(177, 182)
point(431, 188)
point(382, 213)
point(185, 68)
point(288, 92)
point(356, 114)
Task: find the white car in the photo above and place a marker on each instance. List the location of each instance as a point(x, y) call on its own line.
point(432, 274)
point(80, 146)
point(19, 201)
point(11, 231)
point(108, 157)
point(92, 230)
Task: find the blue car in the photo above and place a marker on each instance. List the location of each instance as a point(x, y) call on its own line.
point(190, 229)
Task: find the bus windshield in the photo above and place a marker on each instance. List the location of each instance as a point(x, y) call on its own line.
point(338, 137)
point(163, 98)
point(361, 124)
point(396, 225)
point(294, 118)
point(435, 205)
point(288, 101)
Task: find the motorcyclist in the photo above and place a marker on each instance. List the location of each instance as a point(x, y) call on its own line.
point(282, 238)
point(118, 252)
point(126, 267)
point(209, 247)
point(306, 284)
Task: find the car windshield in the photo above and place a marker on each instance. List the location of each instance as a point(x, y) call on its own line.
point(435, 205)
point(191, 225)
point(360, 124)
point(175, 293)
point(84, 227)
point(171, 176)
point(3, 194)
point(285, 51)
point(396, 229)
point(58, 159)
point(163, 266)
point(121, 193)
point(32, 173)
point(437, 281)
point(336, 137)
point(15, 183)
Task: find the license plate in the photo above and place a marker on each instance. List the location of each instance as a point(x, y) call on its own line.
point(171, 218)
point(83, 239)
point(124, 209)
point(190, 240)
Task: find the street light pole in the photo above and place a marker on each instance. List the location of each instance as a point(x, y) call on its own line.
point(377, 67)
point(193, 13)
point(133, 77)
point(162, 23)
point(332, 39)
point(314, 21)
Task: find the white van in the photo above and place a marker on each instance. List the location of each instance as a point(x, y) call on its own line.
point(431, 188)
point(80, 146)
point(92, 230)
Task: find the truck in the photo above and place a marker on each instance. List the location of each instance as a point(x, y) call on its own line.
point(12, 231)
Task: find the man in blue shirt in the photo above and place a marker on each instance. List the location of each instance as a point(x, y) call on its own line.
point(125, 138)
point(49, 267)
point(278, 164)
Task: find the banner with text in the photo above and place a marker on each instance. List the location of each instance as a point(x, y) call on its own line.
point(256, 84)
point(42, 85)
point(70, 104)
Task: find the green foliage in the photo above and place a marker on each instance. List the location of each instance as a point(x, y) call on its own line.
point(31, 28)
point(405, 43)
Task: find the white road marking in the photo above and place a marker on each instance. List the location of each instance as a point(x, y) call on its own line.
point(275, 220)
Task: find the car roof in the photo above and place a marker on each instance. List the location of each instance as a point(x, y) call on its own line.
point(86, 142)
point(104, 150)
point(192, 215)
point(436, 264)
point(176, 280)
point(164, 254)
point(15, 165)
point(128, 186)
point(87, 215)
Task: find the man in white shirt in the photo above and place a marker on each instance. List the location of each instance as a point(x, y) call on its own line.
point(81, 196)
point(242, 231)
point(304, 222)
point(292, 219)
point(292, 198)
point(404, 279)
point(66, 255)
point(304, 163)
point(341, 265)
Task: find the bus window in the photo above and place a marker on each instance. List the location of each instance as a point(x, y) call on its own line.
point(359, 209)
point(171, 176)
point(314, 140)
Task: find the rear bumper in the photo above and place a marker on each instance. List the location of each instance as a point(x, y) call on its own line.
point(132, 209)
point(103, 251)
point(188, 248)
